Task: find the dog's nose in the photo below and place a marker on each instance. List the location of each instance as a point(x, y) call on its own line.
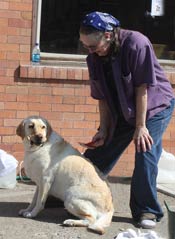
point(39, 137)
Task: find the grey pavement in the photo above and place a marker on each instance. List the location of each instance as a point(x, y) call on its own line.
point(48, 224)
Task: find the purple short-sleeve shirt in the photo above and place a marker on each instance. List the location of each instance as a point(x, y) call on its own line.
point(136, 64)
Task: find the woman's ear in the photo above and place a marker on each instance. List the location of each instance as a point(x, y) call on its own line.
point(108, 36)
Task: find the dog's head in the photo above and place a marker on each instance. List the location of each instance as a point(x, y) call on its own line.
point(36, 130)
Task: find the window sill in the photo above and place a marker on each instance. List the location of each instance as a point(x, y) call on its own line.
point(55, 70)
point(72, 70)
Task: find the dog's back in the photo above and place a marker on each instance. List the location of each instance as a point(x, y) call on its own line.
point(60, 170)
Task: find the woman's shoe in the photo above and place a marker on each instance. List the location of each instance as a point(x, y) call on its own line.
point(147, 221)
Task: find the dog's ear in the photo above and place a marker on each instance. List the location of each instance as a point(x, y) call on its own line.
point(49, 129)
point(20, 130)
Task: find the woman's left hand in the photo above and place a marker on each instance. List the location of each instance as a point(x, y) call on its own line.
point(142, 139)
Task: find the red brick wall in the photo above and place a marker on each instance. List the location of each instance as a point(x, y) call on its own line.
point(58, 93)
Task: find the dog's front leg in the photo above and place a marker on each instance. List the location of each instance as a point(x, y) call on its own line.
point(25, 212)
point(41, 197)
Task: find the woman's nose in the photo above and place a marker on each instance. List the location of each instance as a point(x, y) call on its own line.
point(91, 50)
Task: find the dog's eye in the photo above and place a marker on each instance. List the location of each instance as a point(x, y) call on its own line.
point(43, 127)
point(31, 126)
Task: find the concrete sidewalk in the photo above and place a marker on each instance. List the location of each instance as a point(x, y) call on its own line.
point(47, 225)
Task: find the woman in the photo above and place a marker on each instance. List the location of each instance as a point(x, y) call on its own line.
point(136, 103)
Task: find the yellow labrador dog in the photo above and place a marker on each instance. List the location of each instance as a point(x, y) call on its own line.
point(61, 171)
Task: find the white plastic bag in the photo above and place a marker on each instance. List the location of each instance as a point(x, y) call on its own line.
point(7, 163)
point(166, 168)
point(130, 233)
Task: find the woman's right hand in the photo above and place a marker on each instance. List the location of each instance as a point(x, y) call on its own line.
point(99, 138)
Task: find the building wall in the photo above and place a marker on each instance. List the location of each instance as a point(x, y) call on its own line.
point(61, 94)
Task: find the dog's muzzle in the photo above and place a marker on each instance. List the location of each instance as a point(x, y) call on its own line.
point(36, 140)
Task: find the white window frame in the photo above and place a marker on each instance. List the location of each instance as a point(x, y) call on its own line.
point(37, 4)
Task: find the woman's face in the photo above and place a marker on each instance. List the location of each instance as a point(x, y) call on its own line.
point(100, 47)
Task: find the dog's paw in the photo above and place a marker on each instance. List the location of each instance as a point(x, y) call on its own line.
point(69, 222)
point(25, 213)
point(20, 213)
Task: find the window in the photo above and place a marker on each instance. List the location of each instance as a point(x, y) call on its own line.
point(60, 20)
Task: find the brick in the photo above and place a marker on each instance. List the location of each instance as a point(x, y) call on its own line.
point(10, 14)
point(20, 6)
point(47, 73)
point(91, 101)
point(3, 22)
point(50, 115)
point(26, 15)
point(3, 30)
point(15, 106)
point(2, 88)
point(31, 72)
point(6, 80)
point(62, 108)
point(84, 91)
point(84, 125)
point(7, 97)
point(4, 5)
point(17, 89)
point(25, 31)
point(1, 105)
point(54, 73)
point(28, 98)
point(7, 114)
point(9, 47)
point(10, 72)
point(63, 91)
point(23, 114)
point(39, 107)
point(11, 122)
point(24, 48)
point(3, 72)
point(13, 31)
point(3, 55)
point(19, 39)
point(90, 132)
point(24, 57)
point(73, 100)
point(63, 73)
point(51, 99)
point(6, 147)
point(73, 116)
point(39, 72)
point(23, 72)
point(18, 147)
point(85, 74)
point(40, 90)
point(10, 139)
point(61, 124)
point(71, 132)
point(78, 74)
point(14, 22)
point(92, 116)
point(7, 130)
point(13, 64)
point(3, 38)
point(13, 55)
point(85, 108)
point(70, 73)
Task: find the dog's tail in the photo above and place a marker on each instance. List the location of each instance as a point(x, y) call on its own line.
point(103, 221)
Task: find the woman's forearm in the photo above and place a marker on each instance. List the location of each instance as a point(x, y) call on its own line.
point(104, 116)
point(141, 105)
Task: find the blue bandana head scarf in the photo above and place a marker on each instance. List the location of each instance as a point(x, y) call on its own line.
point(100, 21)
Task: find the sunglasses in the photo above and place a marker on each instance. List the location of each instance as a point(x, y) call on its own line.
point(91, 47)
